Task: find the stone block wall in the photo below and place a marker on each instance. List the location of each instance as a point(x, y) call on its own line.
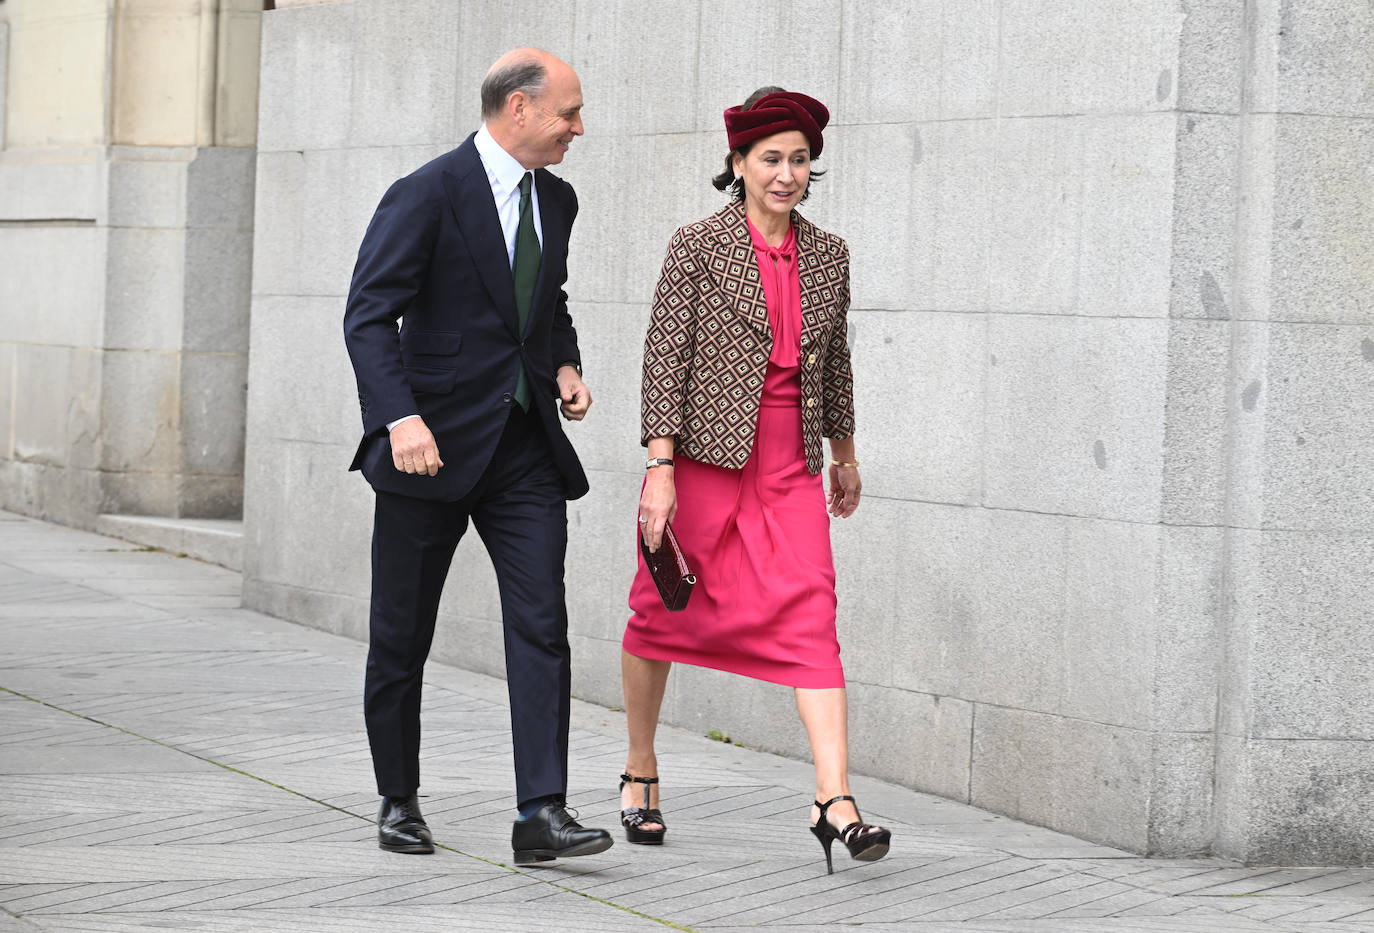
point(1294, 761)
point(126, 193)
point(1112, 337)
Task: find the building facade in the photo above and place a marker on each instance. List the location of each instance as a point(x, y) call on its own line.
point(126, 206)
point(1113, 333)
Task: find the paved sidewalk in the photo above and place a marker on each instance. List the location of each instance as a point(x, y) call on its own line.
point(169, 761)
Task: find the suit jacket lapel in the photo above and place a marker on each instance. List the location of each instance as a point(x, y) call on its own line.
point(473, 207)
point(735, 266)
point(818, 298)
point(555, 229)
point(736, 269)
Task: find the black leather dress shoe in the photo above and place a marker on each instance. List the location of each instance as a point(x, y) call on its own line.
point(401, 828)
point(553, 833)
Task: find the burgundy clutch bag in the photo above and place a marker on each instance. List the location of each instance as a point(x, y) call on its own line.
point(669, 569)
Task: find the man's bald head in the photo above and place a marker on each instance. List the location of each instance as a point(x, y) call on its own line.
point(524, 70)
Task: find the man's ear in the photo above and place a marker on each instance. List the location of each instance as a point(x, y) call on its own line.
point(517, 104)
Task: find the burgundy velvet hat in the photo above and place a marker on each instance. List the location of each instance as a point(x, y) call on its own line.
point(777, 113)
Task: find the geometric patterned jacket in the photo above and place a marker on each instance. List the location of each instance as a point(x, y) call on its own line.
point(708, 343)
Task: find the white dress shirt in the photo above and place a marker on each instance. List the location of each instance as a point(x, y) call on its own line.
point(503, 174)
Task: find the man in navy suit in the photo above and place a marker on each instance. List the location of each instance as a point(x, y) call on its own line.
point(469, 253)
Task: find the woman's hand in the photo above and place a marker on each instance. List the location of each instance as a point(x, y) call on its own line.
point(657, 504)
point(844, 490)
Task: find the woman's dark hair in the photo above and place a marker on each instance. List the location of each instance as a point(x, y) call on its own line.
point(727, 180)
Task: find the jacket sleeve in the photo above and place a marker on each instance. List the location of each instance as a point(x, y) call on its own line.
point(563, 345)
point(393, 262)
point(668, 345)
point(837, 380)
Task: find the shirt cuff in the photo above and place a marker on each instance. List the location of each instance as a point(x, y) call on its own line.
point(392, 424)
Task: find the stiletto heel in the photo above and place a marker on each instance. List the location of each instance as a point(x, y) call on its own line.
point(865, 842)
point(634, 818)
point(825, 840)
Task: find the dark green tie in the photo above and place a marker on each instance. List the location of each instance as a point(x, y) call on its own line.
point(526, 273)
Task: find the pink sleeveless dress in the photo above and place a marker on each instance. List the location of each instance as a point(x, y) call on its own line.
point(758, 538)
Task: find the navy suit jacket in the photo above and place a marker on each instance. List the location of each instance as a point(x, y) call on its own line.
point(434, 257)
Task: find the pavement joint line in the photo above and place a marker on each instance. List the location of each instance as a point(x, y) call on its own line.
point(248, 774)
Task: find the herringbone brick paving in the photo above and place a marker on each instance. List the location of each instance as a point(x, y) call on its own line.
point(171, 761)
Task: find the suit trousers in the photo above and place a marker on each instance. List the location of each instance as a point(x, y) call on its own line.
point(520, 512)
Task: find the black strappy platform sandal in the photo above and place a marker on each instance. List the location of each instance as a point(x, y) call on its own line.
point(865, 842)
point(634, 818)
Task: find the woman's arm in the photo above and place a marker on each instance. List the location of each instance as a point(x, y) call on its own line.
point(668, 348)
point(658, 499)
point(837, 378)
point(668, 344)
point(845, 484)
point(837, 390)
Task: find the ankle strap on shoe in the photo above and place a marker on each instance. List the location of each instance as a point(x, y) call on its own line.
point(826, 806)
point(646, 781)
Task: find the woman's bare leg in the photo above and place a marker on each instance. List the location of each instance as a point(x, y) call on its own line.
point(644, 682)
point(825, 714)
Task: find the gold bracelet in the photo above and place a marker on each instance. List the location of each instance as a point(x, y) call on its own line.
point(844, 463)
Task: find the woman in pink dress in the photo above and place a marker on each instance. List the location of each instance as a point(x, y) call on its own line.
point(746, 368)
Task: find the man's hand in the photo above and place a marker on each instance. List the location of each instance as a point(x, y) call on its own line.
point(413, 449)
point(576, 397)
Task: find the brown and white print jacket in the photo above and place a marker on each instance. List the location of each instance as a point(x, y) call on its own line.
point(709, 339)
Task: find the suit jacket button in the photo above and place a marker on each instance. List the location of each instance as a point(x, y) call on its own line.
point(811, 360)
point(811, 403)
point(506, 398)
